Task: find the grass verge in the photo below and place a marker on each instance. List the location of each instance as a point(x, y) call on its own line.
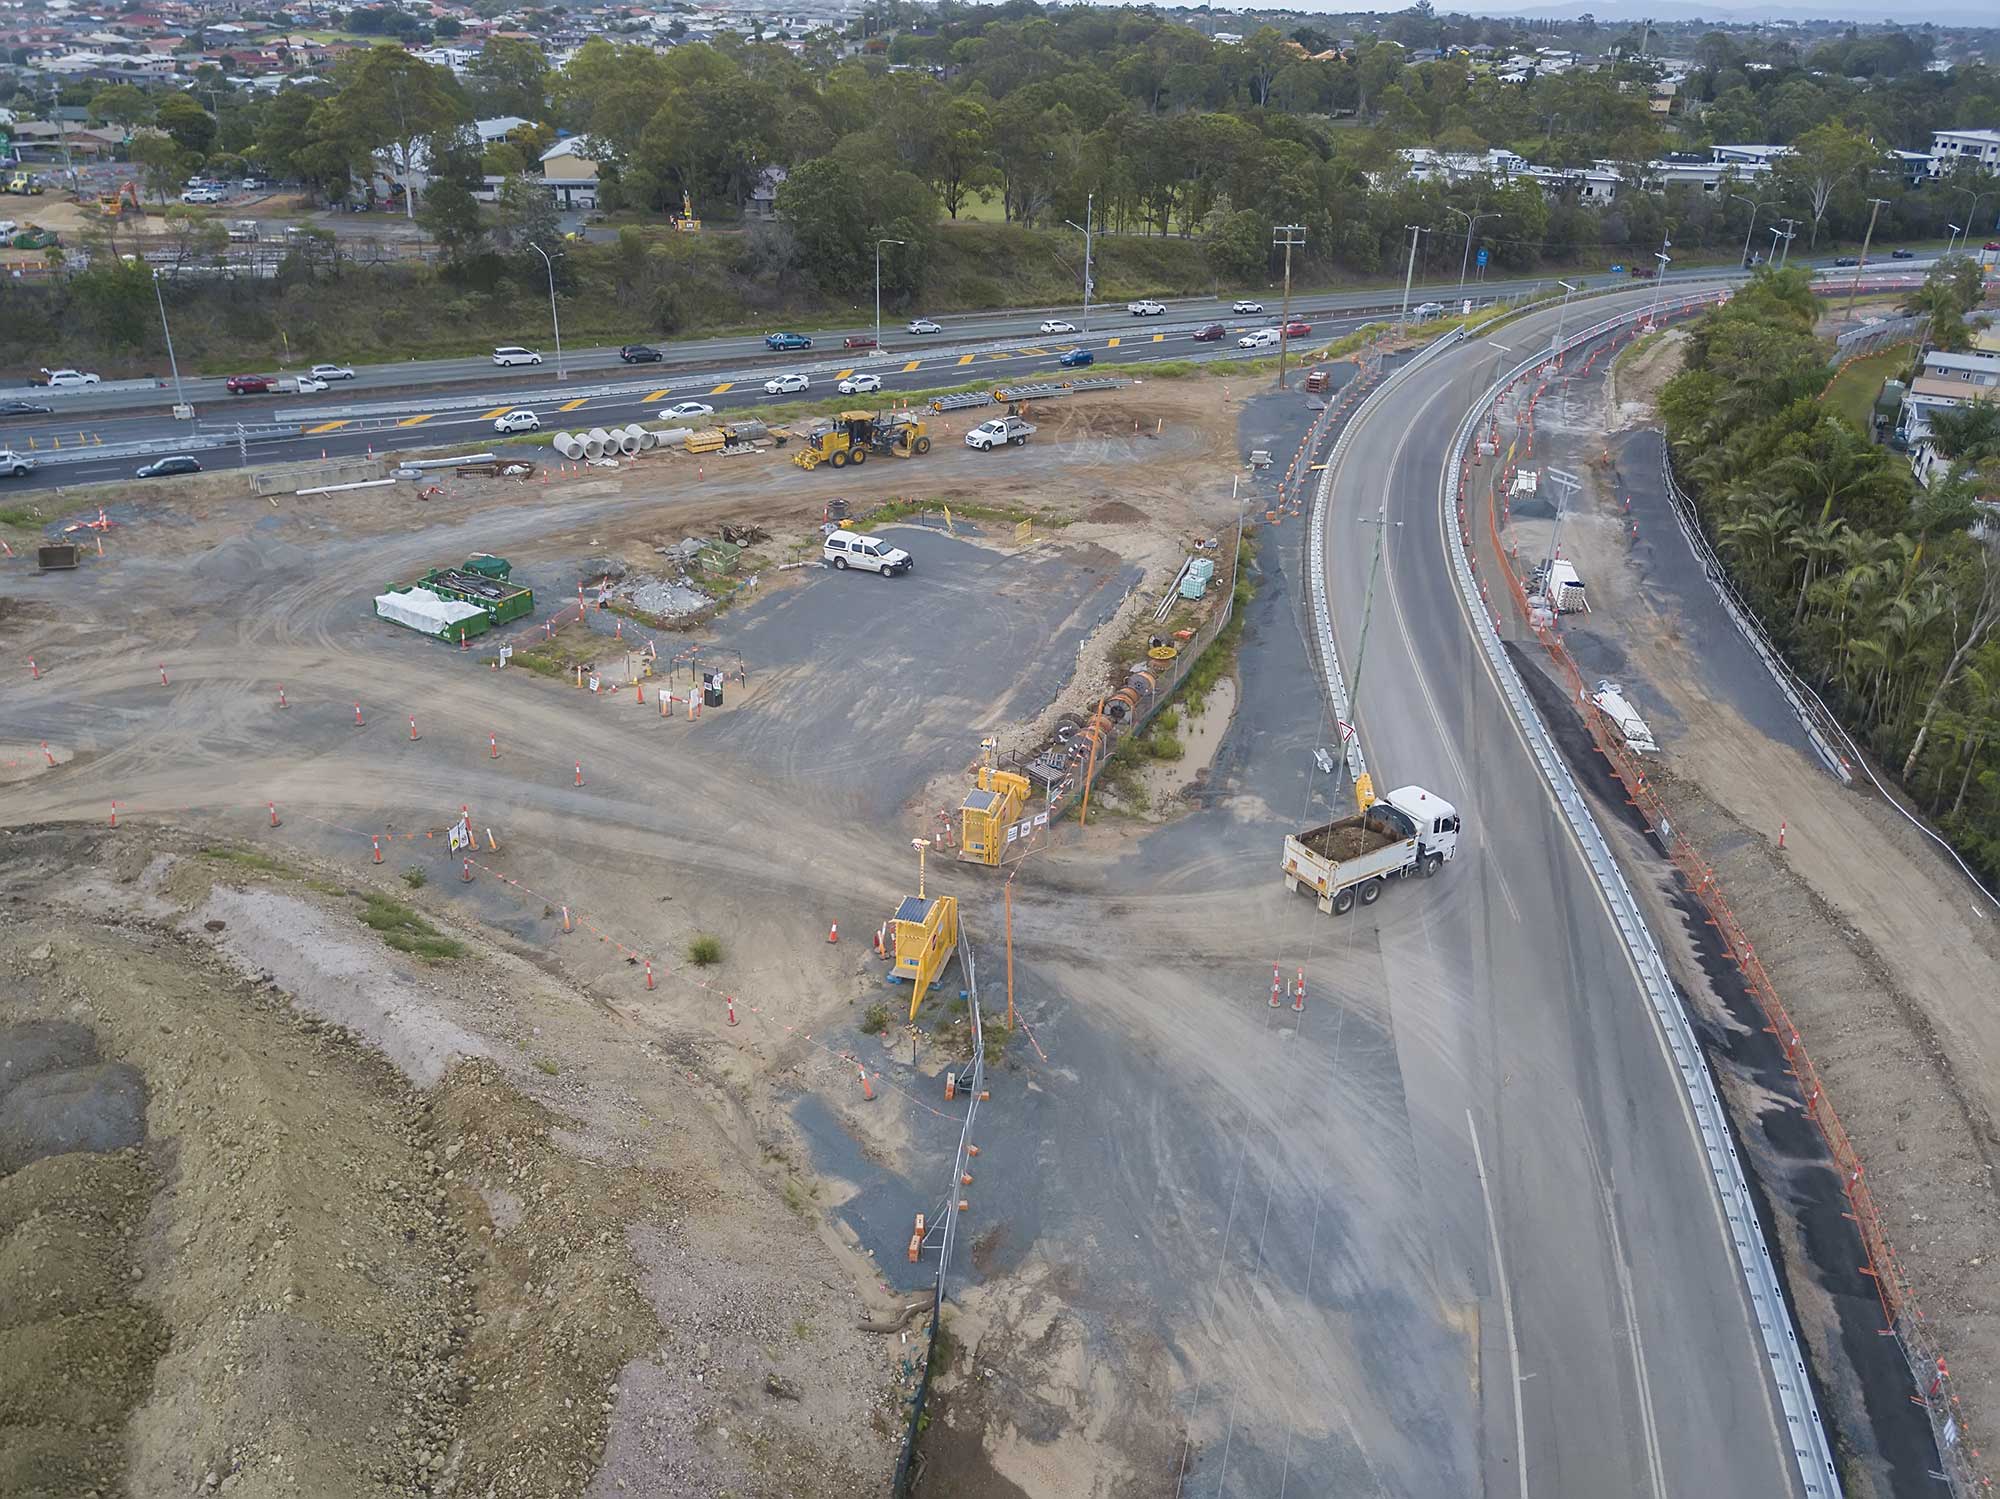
point(1852, 392)
point(403, 929)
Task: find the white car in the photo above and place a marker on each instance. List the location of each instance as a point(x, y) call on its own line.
point(1244, 304)
point(61, 379)
point(1263, 338)
point(845, 549)
point(925, 325)
point(1057, 325)
point(307, 385)
point(1002, 429)
point(332, 372)
point(680, 411)
point(514, 354)
point(203, 195)
point(522, 420)
point(1423, 312)
point(784, 384)
point(1146, 308)
point(858, 385)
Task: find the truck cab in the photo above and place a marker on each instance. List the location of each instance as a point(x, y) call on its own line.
point(1434, 821)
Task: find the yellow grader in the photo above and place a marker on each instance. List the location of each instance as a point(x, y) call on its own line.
point(853, 435)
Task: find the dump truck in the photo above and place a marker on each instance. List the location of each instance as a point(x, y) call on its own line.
point(853, 435)
point(1410, 831)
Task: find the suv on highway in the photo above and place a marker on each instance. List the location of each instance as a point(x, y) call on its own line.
point(1146, 307)
point(248, 385)
point(1209, 333)
point(640, 354)
point(1008, 429)
point(510, 354)
point(783, 341)
point(845, 549)
point(1244, 304)
point(67, 379)
point(15, 465)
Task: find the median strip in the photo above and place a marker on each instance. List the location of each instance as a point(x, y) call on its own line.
point(1112, 343)
point(496, 411)
point(967, 358)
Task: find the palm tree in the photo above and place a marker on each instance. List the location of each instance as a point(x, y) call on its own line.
point(1985, 617)
point(1843, 469)
point(1753, 537)
point(1815, 542)
point(1969, 432)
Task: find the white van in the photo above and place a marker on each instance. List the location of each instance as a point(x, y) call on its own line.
point(845, 549)
point(515, 354)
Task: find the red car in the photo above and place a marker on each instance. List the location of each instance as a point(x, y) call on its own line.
point(1211, 332)
point(248, 385)
point(1297, 330)
point(859, 341)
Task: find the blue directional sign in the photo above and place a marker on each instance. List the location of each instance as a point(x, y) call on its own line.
point(1482, 255)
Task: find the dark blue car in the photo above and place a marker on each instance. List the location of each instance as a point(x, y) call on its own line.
point(782, 341)
point(1076, 358)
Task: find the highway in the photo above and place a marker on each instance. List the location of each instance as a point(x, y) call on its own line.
point(1617, 1352)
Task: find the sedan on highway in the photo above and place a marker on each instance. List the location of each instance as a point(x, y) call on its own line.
point(1297, 329)
point(925, 325)
point(160, 468)
point(859, 385)
point(1057, 325)
point(1900, 254)
point(1076, 358)
point(784, 341)
point(1846, 260)
point(786, 384)
point(522, 420)
point(680, 411)
point(1210, 333)
point(1263, 338)
point(23, 408)
point(640, 354)
point(333, 372)
point(1244, 304)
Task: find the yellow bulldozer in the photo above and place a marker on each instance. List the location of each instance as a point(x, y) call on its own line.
point(853, 435)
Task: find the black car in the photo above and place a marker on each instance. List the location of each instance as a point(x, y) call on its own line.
point(23, 408)
point(640, 354)
point(1845, 260)
point(1902, 254)
point(160, 468)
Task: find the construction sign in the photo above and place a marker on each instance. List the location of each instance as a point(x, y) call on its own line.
point(461, 835)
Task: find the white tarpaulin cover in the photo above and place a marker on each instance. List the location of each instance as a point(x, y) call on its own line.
point(420, 609)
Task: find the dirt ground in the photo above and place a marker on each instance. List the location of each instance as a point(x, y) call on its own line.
point(1883, 954)
point(496, 1215)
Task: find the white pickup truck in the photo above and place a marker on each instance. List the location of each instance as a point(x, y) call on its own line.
point(1146, 307)
point(1410, 831)
point(1002, 429)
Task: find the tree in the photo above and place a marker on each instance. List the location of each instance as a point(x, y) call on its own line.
point(187, 122)
point(509, 77)
point(1984, 618)
point(1824, 159)
point(163, 164)
point(526, 213)
point(837, 209)
point(963, 160)
point(120, 104)
point(194, 235)
point(391, 103)
point(456, 169)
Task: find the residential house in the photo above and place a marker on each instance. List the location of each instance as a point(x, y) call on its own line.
point(1950, 147)
point(1946, 380)
point(570, 170)
point(763, 202)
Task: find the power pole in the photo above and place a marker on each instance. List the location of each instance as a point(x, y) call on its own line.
point(1291, 236)
point(1866, 240)
point(1381, 523)
point(1409, 275)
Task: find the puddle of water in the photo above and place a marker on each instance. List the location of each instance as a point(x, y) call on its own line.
point(1200, 735)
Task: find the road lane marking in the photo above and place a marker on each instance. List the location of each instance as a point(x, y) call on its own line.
point(496, 411)
point(1113, 343)
point(842, 374)
point(336, 426)
point(911, 365)
point(1034, 353)
point(967, 358)
point(416, 421)
point(724, 386)
point(658, 395)
point(1159, 338)
point(572, 405)
point(1004, 356)
point(1506, 1308)
point(1621, 1267)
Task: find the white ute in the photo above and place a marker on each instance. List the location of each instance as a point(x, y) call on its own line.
point(1007, 429)
point(1146, 308)
point(1411, 831)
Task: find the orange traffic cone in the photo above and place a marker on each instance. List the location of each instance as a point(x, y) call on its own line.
point(833, 933)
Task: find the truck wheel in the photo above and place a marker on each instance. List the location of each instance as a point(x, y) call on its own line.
point(1432, 864)
point(859, 456)
point(1343, 902)
point(922, 445)
point(1019, 442)
point(840, 564)
point(838, 460)
point(1370, 892)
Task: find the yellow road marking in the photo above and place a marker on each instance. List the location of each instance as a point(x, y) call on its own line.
point(1035, 352)
point(658, 395)
point(911, 365)
point(725, 385)
point(967, 358)
point(572, 405)
point(843, 374)
point(1113, 343)
point(336, 426)
point(1003, 356)
point(416, 421)
point(496, 411)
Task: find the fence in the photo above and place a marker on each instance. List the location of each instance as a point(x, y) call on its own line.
point(1865, 340)
point(972, 1082)
point(1902, 1312)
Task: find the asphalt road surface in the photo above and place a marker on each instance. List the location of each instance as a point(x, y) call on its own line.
point(1617, 1351)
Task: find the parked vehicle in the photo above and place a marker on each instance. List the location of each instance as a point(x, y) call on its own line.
point(203, 195)
point(1146, 308)
point(1072, 359)
point(925, 325)
point(23, 408)
point(681, 411)
point(859, 385)
point(845, 549)
point(67, 379)
point(1210, 333)
point(785, 384)
point(1423, 312)
point(785, 341)
point(15, 465)
point(1002, 429)
point(1244, 304)
point(858, 341)
point(1261, 338)
point(332, 372)
point(248, 385)
point(1057, 325)
point(161, 468)
point(1411, 831)
point(640, 354)
point(1297, 329)
point(512, 354)
point(519, 420)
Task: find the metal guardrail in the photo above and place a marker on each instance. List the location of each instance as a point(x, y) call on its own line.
point(1803, 1427)
point(199, 440)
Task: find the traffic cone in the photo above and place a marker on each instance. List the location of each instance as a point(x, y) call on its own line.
point(274, 813)
point(461, 639)
point(493, 746)
point(730, 1000)
point(114, 814)
point(1276, 985)
point(867, 1088)
point(377, 844)
point(579, 772)
point(649, 973)
point(163, 673)
point(833, 933)
point(413, 728)
point(34, 671)
point(466, 873)
point(47, 756)
point(565, 914)
point(281, 696)
point(1299, 994)
point(640, 688)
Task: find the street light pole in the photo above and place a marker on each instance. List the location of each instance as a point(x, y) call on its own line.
point(1087, 228)
point(1755, 206)
point(182, 411)
point(1471, 222)
point(1409, 276)
point(1562, 317)
point(1660, 280)
point(1789, 236)
point(1867, 239)
point(878, 287)
point(1777, 233)
point(1291, 236)
point(554, 320)
point(1951, 243)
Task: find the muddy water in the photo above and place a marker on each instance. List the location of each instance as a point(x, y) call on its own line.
point(1200, 735)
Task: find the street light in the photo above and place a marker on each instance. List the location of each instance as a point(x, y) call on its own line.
point(1956, 230)
point(1791, 234)
point(878, 287)
point(1660, 280)
point(1862, 264)
point(1471, 220)
point(182, 411)
point(1755, 207)
point(553, 318)
point(1409, 276)
point(1087, 229)
point(1561, 317)
point(1971, 211)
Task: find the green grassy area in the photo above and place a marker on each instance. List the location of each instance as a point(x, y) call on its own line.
point(22, 517)
point(1853, 391)
point(244, 858)
point(403, 929)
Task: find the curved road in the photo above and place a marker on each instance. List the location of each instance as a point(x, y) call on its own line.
point(1617, 1350)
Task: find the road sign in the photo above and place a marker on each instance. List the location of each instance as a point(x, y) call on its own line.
point(1482, 256)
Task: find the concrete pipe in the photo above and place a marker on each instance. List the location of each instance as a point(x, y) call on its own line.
point(638, 434)
point(603, 438)
point(592, 449)
point(628, 445)
point(567, 445)
point(648, 440)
